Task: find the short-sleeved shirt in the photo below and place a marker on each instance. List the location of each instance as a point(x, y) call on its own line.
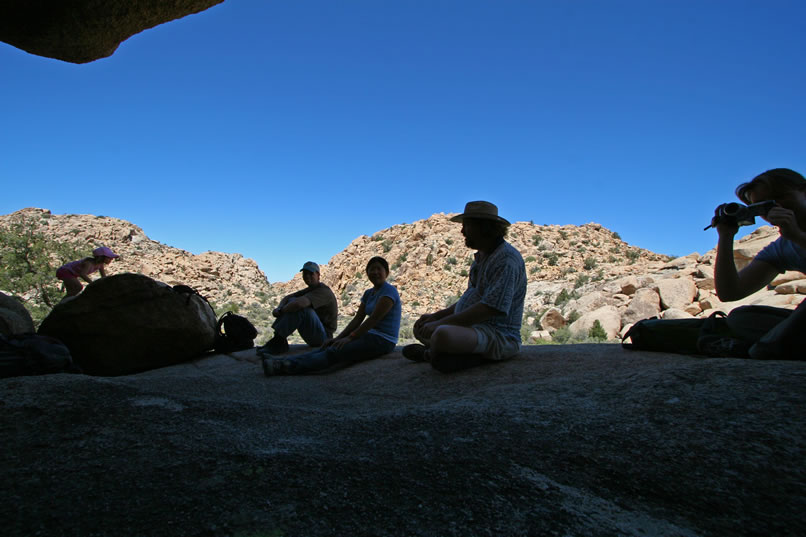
point(73, 268)
point(389, 326)
point(324, 304)
point(783, 254)
point(499, 281)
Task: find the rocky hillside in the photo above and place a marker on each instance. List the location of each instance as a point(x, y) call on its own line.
point(430, 262)
point(577, 274)
point(223, 278)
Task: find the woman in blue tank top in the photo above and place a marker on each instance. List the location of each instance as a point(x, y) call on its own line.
point(373, 331)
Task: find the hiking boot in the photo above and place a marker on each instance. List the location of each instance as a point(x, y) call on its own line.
point(276, 345)
point(274, 366)
point(415, 352)
point(723, 347)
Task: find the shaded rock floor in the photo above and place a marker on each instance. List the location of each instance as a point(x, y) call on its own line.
point(569, 440)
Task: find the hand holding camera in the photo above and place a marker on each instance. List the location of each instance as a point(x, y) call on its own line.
point(738, 215)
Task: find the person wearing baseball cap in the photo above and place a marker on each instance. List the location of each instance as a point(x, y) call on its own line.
point(312, 311)
point(69, 273)
point(485, 323)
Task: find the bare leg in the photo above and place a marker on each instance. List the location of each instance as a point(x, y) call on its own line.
point(73, 286)
point(454, 340)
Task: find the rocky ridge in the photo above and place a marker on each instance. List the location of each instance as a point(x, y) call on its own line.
point(221, 277)
point(577, 274)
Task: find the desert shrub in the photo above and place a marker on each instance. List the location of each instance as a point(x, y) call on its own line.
point(429, 259)
point(561, 335)
point(448, 241)
point(581, 280)
point(589, 263)
point(28, 263)
point(563, 297)
point(573, 316)
point(536, 239)
point(596, 331)
point(530, 259)
point(552, 258)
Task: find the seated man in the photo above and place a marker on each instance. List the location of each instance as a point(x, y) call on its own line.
point(485, 323)
point(312, 311)
point(785, 340)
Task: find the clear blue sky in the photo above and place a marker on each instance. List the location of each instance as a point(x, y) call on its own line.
point(283, 130)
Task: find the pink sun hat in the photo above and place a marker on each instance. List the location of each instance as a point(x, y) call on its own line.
point(104, 251)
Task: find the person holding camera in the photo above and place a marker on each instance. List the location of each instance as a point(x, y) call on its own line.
point(783, 339)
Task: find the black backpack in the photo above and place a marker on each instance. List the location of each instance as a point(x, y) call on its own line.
point(34, 354)
point(234, 333)
point(718, 335)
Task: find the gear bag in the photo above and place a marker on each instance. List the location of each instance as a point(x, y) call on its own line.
point(718, 335)
point(234, 333)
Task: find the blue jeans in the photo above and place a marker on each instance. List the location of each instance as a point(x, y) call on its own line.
point(306, 322)
point(364, 348)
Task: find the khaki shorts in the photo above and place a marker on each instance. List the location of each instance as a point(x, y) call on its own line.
point(492, 345)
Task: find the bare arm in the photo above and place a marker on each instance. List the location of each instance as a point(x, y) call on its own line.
point(291, 304)
point(84, 270)
point(732, 284)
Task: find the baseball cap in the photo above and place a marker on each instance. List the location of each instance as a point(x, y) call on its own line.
point(104, 251)
point(310, 266)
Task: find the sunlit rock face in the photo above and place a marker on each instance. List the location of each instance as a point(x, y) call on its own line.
point(81, 31)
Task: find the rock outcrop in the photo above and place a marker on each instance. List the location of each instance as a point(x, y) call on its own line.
point(81, 31)
point(226, 279)
point(562, 440)
point(572, 271)
point(14, 318)
point(128, 323)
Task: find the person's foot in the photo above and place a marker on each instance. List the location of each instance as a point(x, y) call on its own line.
point(274, 366)
point(276, 345)
point(415, 352)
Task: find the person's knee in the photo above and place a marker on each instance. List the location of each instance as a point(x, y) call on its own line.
point(453, 339)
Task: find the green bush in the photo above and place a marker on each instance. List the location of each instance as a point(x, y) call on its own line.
point(562, 335)
point(28, 263)
point(581, 280)
point(589, 263)
point(563, 297)
point(596, 332)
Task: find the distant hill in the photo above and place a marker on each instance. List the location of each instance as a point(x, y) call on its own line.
point(574, 270)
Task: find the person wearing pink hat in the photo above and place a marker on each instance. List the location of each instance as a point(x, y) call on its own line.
point(69, 273)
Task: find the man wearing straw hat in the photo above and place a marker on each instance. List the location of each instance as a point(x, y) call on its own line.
point(484, 324)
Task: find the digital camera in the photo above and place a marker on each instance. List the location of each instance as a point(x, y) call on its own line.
point(740, 215)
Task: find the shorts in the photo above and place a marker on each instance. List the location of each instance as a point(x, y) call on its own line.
point(493, 345)
point(65, 274)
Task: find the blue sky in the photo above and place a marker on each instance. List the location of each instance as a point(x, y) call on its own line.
point(283, 130)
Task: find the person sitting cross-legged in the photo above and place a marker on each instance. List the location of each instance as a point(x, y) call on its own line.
point(484, 324)
point(313, 312)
